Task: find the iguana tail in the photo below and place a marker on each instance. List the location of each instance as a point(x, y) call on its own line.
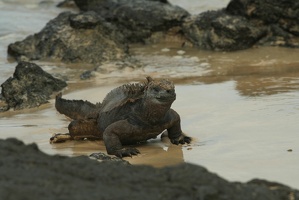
point(76, 109)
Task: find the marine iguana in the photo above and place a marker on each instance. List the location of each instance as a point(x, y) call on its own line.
point(129, 114)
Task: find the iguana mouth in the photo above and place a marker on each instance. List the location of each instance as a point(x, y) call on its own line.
point(166, 98)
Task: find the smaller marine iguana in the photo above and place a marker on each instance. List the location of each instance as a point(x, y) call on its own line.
point(129, 114)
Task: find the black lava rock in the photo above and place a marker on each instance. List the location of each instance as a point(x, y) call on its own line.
point(137, 19)
point(244, 23)
point(27, 173)
point(73, 38)
point(29, 87)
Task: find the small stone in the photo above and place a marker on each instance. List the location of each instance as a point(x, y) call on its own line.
point(165, 50)
point(181, 52)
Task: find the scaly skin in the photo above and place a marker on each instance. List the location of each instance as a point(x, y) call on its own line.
point(129, 114)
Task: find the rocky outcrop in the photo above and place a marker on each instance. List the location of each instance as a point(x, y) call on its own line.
point(217, 30)
point(137, 19)
point(104, 28)
point(281, 17)
point(83, 37)
point(100, 33)
point(245, 23)
point(29, 87)
point(27, 173)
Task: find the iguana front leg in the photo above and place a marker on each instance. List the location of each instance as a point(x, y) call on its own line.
point(112, 135)
point(175, 133)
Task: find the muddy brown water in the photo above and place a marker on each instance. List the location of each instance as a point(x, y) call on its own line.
point(241, 108)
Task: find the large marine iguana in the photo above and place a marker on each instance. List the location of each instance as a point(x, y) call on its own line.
point(129, 114)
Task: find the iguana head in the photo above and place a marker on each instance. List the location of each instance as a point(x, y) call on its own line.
point(160, 91)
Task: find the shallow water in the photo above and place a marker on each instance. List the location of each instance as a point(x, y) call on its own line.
point(241, 108)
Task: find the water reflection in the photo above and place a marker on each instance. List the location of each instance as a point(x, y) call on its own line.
point(257, 80)
point(257, 71)
point(254, 86)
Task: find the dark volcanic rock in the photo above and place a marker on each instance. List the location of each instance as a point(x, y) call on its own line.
point(67, 4)
point(83, 37)
point(27, 173)
point(104, 28)
point(100, 33)
point(88, 20)
point(245, 23)
point(29, 87)
point(281, 17)
point(269, 11)
point(137, 19)
point(217, 30)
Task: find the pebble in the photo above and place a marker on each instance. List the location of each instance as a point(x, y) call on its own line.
point(165, 50)
point(180, 52)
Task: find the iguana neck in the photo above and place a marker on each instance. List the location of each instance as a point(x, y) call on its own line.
point(153, 112)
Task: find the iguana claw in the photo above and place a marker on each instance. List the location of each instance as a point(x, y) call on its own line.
point(126, 152)
point(181, 140)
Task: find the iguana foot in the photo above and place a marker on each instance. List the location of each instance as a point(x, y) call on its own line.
point(181, 140)
point(105, 158)
point(126, 152)
point(60, 137)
